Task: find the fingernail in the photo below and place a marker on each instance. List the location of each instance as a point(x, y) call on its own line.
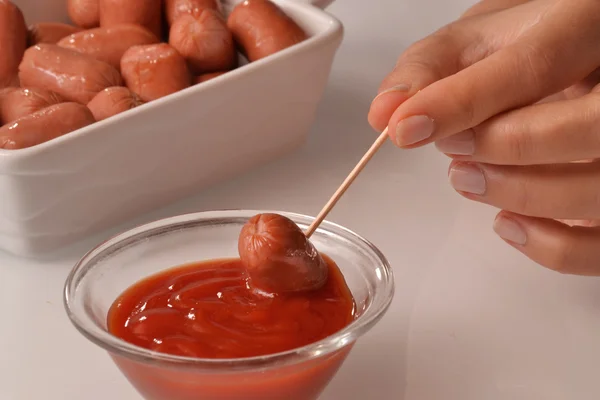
point(413, 130)
point(510, 230)
point(397, 88)
point(461, 144)
point(467, 178)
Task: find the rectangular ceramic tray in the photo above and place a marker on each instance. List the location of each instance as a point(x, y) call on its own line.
point(58, 192)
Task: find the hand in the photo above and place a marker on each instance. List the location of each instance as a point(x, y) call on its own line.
point(511, 91)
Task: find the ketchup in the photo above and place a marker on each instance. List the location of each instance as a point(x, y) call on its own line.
point(208, 310)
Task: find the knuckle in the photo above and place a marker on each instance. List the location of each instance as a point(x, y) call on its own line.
point(465, 107)
point(536, 63)
point(435, 50)
point(521, 198)
point(517, 143)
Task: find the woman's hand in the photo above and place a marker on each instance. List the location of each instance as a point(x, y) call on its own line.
point(511, 91)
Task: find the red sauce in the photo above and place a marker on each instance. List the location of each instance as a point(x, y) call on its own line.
point(207, 310)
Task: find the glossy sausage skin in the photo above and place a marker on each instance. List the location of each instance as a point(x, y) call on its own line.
point(155, 70)
point(176, 8)
point(261, 28)
point(45, 124)
point(13, 42)
point(113, 101)
point(73, 75)
point(49, 32)
point(206, 77)
point(204, 41)
point(278, 257)
point(20, 102)
point(84, 13)
point(147, 13)
point(108, 44)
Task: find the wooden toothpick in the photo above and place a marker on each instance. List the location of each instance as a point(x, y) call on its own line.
point(347, 182)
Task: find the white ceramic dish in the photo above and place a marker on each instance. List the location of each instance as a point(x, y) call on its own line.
point(58, 192)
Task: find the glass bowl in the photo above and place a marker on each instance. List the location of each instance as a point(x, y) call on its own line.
point(299, 374)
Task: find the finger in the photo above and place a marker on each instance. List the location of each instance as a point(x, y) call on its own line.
point(551, 56)
point(566, 249)
point(554, 132)
point(581, 222)
point(444, 53)
point(487, 6)
point(423, 63)
point(562, 191)
point(587, 85)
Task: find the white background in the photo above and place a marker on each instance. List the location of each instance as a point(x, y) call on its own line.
point(472, 319)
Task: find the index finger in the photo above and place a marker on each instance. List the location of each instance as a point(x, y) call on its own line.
point(423, 63)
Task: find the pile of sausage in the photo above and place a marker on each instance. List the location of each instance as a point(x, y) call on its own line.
point(56, 78)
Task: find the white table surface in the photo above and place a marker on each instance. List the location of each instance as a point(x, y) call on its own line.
point(471, 320)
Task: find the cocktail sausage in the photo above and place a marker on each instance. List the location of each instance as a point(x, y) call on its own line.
point(176, 8)
point(155, 70)
point(261, 28)
point(204, 41)
point(13, 42)
point(20, 102)
point(74, 76)
point(108, 44)
point(147, 13)
point(278, 257)
point(113, 101)
point(207, 77)
point(49, 32)
point(84, 13)
point(44, 125)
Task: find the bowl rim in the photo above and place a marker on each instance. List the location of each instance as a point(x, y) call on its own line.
point(324, 347)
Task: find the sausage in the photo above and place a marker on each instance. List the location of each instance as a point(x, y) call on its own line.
point(206, 77)
point(155, 70)
point(49, 32)
point(45, 124)
point(278, 257)
point(147, 13)
point(13, 42)
point(108, 44)
point(176, 8)
point(261, 28)
point(113, 101)
point(3, 95)
point(84, 13)
point(204, 41)
point(20, 102)
point(74, 76)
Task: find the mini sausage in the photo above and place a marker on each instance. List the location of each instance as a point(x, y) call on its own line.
point(21, 102)
point(147, 13)
point(49, 32)
point(84, 13)
point(3, 94)
point(204, 41)
point(13, 42)
point(113, 101)
point(108, 44)
point(155, 70)
point(74, 76)
point(176, 8)
point(45, 124)
point(206, 77)
point(278, 257)
point(261, 28)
